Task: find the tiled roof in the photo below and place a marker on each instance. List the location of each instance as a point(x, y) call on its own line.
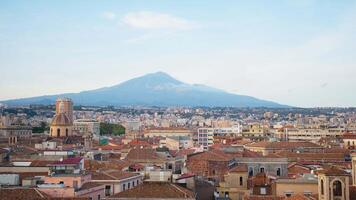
point(94, 165)
point(156, 190)
point(22, 193)
point(187, 175)
point(67, 161)
point(239, 168)
point(332, 170)
point(89, 185)
point(143, 155)
point(112, 175)
point(255, 197)
point(283, 145)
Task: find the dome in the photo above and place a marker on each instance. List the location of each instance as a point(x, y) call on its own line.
point(61, 119)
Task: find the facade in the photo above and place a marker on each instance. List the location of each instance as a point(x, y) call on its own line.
point(277, 167)
point(235, 184)
point(306, 185)
point(266, 148)
point(168, 132)
point(176, 143)
point(314, 135)
point(86, 127)
point(205, 137)
point(12, 134)
point(116, 181)
point(349, 140)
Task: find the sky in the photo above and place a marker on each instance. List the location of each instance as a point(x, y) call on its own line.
point(295, 52)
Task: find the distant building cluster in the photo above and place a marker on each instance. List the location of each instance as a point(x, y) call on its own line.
point(58, 152)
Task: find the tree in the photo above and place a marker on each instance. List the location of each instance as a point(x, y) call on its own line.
point(111, 129)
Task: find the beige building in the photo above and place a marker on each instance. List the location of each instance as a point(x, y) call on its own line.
point(62, 123)
point(333, 184)
point(168, 132)
point(306, 185)
point(86, 127)
point(234, 185)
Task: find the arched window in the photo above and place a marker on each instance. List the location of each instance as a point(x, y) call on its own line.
point(66, 132)
point(262, 169)
point(58, 132)
point(322, 187)
point(241, 180)
point(337, 188)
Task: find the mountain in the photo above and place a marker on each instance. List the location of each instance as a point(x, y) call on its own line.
point(155, 89)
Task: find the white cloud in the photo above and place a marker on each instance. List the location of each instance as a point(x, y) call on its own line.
point(109, 15)
point(153, 20)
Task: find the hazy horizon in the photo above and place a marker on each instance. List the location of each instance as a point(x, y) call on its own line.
point(299, 53)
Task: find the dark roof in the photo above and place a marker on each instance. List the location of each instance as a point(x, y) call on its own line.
point(332, 170)
point(155, 190)
point(112, 175)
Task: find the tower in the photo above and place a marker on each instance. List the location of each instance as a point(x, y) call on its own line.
point(333, 184)
point(65, 105)
point(62, 122)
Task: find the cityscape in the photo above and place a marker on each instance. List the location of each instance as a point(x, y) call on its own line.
point(76, 125)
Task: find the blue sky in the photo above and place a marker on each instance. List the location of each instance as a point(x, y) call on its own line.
point(296, 52)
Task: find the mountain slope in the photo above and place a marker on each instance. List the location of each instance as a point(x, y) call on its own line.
point(156, 89)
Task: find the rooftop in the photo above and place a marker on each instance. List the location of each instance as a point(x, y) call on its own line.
point(156, 190)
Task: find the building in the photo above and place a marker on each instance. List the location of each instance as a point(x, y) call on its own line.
point(205, 137)
point(235, 184)
point(69, 179)
point(349, 140)
point(333, 183)
point(12, 134)
point(306, 185)
point(168, 132)
point(277, 167)
point(311, 134)
point(176, 143)
point(266, 147)
point(116, 181)
point(62, 122)
point(86, 127)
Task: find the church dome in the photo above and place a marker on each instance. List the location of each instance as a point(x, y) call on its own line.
point(61, 119)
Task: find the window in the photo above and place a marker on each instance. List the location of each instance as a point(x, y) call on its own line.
point(61, 182)
point(58, 132)
point(128, 186)
point(278, 171)
point(137, 182)
point(263, 191)
point(241, 180)
point(262, 169)
point(66, 132)
point(98, 196)
point(337, 188)
point(322, 187)
point(250, 171)
point(124, 187)
point(133, 183)
point(107, 190)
